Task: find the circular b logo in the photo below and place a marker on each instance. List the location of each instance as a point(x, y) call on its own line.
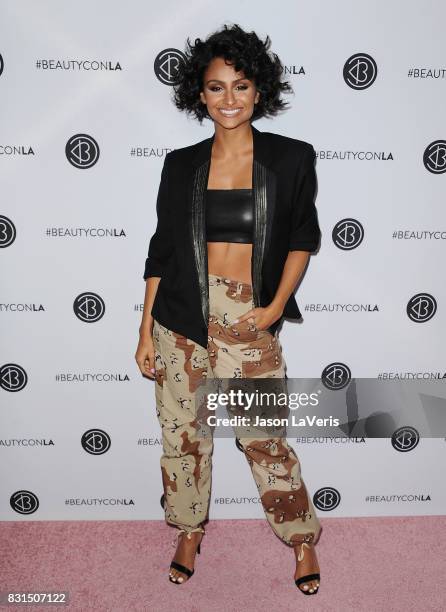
point(12, 377)
point(24, 502)
point(326, 499)
point(348, 234)
point(336, 376)
point(166, 65)
point(96, 441)
point(421, 307)
point(89, 307)
point(7, 232)
point(434, 157)
point(360, 71)
point(405, 439)
point(82, 151)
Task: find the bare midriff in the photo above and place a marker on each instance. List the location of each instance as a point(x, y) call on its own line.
point(230, 259)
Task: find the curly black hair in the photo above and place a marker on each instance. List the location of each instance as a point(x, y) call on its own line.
point(248, 53)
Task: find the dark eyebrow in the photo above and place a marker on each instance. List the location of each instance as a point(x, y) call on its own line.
point(218, 81)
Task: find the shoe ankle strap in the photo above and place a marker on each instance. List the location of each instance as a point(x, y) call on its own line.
point(198, 529)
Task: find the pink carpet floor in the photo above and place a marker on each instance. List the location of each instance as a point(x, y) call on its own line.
point(367, 564)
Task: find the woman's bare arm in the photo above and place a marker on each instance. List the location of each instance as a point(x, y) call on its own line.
point(145, 329)
point(145, 353)
point(292, 271)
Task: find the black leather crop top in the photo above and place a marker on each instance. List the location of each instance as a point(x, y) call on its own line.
point(229, 215)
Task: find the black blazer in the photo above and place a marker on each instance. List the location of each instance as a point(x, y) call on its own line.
point(285, 219)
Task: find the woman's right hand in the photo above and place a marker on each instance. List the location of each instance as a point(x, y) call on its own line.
point(145, 356)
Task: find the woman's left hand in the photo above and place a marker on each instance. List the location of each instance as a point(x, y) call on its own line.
point(261, 317)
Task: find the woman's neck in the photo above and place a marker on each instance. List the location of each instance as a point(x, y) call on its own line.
point(229, 143)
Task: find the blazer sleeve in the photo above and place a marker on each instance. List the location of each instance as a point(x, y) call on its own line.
point(161, 243)
point(305, 231)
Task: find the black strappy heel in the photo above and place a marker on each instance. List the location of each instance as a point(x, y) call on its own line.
point(182, 568)
point(307, 578)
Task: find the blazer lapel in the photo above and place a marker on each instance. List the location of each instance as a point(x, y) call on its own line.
point(264, 192)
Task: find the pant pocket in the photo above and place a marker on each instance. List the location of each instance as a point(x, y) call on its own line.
point(244, 331)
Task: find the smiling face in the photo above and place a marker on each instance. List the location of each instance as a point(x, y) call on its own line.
point(228, 95)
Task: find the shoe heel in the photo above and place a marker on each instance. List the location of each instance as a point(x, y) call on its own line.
point(198, 548)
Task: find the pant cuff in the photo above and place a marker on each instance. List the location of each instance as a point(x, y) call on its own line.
point(305, 537)
point(186, 530)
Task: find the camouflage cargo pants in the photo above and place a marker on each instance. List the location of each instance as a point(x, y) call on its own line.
point(233, 351)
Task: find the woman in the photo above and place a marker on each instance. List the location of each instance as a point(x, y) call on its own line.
point(236, 224)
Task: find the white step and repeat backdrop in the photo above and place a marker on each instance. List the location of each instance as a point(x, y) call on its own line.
point(86, 121)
